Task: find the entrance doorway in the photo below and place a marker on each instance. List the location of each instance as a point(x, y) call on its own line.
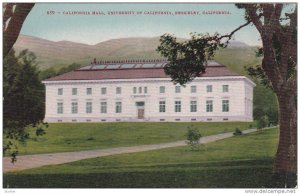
point(141, 113)
point(140, 109)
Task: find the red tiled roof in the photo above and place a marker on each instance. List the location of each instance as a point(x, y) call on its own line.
point(134, 73)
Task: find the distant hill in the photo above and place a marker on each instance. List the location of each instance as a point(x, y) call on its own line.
point(63, 53)
point(57, 54)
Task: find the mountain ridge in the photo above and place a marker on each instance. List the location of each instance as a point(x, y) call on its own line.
point(57, 54)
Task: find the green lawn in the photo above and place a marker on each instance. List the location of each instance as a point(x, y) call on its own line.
point(61, 137)
point(239, 162)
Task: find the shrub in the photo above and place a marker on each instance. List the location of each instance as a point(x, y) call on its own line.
point(193, 137)
point(262, 122)
point(237, 132)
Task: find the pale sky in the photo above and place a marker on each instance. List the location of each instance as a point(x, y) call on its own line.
point(92, 29)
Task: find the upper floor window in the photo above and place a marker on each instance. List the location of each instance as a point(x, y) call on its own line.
point(60, 91)
point(140, 90)
point(103, 91)
point(225, 88)
point(177, 106)
point(209, 88)
point(134, 90)
point(162, 106)
point(177, 89)
point(89, 107)
point(225, 105)
point(145, 90)
point(193, 89)
point(74, 91)
point(74, 107)
point(209, 106)
point(118, 90)
point(60, 108)
point(162, 89)
point(89, 91)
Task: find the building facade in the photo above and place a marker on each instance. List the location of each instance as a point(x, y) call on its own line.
point(141, 91)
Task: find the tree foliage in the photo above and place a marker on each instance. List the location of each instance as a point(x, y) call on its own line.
point(187, 59)
point(51, 72)
point(193, 137)
point(23, 95)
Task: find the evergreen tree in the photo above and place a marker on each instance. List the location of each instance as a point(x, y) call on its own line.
point(23, 93)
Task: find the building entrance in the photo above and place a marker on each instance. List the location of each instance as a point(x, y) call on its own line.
point(140, 109)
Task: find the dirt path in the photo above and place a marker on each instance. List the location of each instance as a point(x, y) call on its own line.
point(38, 160)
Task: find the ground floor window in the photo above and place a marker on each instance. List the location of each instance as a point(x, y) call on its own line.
point(209, 106)
point(225, 105)
point(89, 107)
point(103, 107)
point(74, 107)
point(177, 106)
point(162, 106)
point(118, 107)
point(193, 106)
point(60, 108)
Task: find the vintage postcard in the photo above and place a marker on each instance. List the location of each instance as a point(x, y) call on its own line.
point(150, 95)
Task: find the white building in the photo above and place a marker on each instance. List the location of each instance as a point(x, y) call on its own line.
point(141, 91)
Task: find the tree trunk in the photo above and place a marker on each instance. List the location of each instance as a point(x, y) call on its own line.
point(285, 164)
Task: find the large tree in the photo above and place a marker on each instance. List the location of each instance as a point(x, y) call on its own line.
point(277, 26)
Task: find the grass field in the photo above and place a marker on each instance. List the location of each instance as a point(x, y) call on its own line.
point(62, 137)
point(239, 162)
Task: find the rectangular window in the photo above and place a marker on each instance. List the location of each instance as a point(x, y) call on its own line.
point(193, 89)
point(209, 106)
point(209, 88)
point(140, 90)
point(134, 90)
point(74, 107)
point(60, 108)
point(177, 89)
point(145, 90)
point(193, 106)
point(89, 107)
point(225, 88)
point(103, 107)
point(60, 91)
point(162, 106)
point(162, 89)
point(225, 105)
point(118, 90)
point(177, 106)
point(89, 91)
point(103, 91)
point(74, 91)
point(118, 107)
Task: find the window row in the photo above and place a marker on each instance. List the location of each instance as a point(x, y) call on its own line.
point(89, 91)
point(140, 90)
point(193, 106)
point(193, 89)
point(88, 107)
point(162, 107)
